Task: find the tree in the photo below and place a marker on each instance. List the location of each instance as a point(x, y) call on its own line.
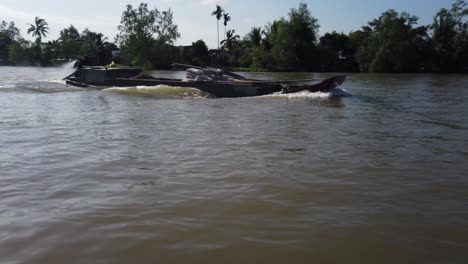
point(69, 43)
point(255, 36)
point(144, 33)
point(269, 33)
point(227, 18)
point(230, 39)
point(49, 52)
point(450, 37)
point(218, 12)
point(200, 52)
point(333, 46)
point(9, 34)
point(393, 43)
point(39, 29)
point(95, 48)
point(166, 32)
point(9, 30)
point(293, 40)
point(70, 33)
point(20, 53)
point(304, 28)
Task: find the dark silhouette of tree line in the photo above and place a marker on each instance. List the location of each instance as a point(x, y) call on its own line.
point(393, 42)
point(15, 50)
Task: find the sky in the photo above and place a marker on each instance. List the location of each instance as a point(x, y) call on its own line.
point(194, 18)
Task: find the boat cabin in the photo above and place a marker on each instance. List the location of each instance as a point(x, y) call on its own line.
point(103, 75)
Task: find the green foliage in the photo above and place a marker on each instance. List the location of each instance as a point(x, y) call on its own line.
point(218, 12)
point(143, 32)
point(49, 52)
point(293, 41)
point(20, 53)
point(90, 45)
point(231, 39)
point(335, 51)
point(69, 43)
point(200, 52)
point(392, 43)
point(226, 18)
point(39, 29)
point(70, 34)
point(9, 33)
point(255, 36)
point(96, 48)
point(450, 38)
point(285, 43)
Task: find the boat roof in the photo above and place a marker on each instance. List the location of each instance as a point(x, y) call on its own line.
point(104, 68)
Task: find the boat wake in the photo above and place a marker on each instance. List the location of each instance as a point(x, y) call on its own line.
point(39, 87)
point(163, 91)
point(174, 92)
point(338, 92)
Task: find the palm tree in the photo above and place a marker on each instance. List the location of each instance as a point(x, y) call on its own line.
point(230, 39)
point(218, 13)
point(255, 36)
point(95, 46)
point(269, 33)
point(39, 29)
point(444, 29)
point(227, 18)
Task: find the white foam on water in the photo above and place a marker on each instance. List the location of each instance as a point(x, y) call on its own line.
point(60, 81)
point(301, 94)
point(8, 86)
point(40, 87)
point(159, 91)
point(338, 92)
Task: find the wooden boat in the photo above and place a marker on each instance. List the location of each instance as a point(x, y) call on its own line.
point(216, 82)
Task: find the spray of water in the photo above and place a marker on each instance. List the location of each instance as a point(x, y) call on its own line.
point(61, 71)
point(339, 92)
point(67, 68)
point(68, 65)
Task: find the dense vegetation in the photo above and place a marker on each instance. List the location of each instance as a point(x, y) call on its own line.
point(393, 42)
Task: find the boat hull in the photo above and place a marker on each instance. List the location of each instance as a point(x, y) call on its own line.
point(223, 89)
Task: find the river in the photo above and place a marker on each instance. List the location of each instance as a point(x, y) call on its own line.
point(376, 173)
